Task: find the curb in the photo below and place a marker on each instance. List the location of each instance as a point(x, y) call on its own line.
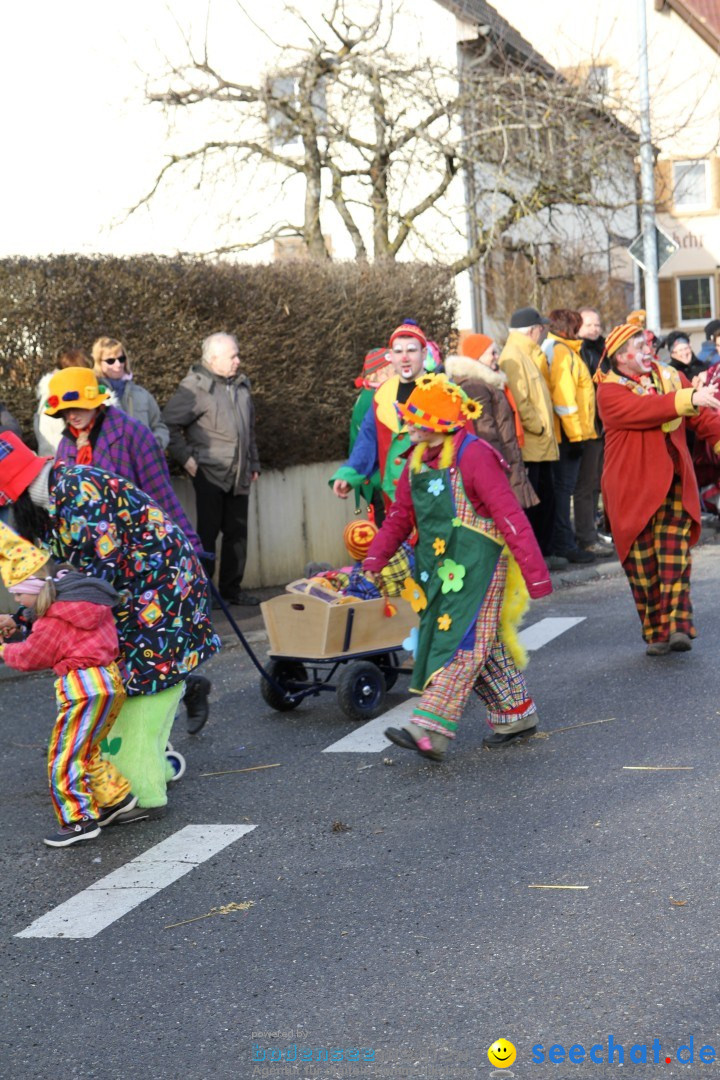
point(611, 568)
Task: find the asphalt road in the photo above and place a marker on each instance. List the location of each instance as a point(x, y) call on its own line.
point(392, 910)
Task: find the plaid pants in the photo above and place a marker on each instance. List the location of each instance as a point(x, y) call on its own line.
point(658, 569)
point(487, 668)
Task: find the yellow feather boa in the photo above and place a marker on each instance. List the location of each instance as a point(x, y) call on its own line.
point(516, 601)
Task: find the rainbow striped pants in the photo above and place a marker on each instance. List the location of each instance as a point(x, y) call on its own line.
point(88, 701)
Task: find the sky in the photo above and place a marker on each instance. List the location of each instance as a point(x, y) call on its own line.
point(80, 144)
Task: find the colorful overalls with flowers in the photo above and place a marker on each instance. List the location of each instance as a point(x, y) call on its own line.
point(460, 576)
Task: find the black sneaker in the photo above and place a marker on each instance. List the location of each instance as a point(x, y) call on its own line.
point(121, 813)
point(577, 555)
point(242, 599)
point(72, 834)
point(197, 691)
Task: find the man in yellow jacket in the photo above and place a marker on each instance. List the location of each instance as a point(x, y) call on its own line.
point(573, 397)
point(526, 368)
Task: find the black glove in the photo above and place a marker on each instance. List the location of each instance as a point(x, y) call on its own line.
point(575, 450)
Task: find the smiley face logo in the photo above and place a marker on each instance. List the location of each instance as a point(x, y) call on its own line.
point(502, 1054)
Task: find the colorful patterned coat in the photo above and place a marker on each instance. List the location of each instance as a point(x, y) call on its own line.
point(127, 447)
point(106, 526)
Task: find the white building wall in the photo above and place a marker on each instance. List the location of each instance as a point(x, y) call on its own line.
point(684, 76)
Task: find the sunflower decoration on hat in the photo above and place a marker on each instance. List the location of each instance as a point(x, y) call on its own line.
point(438, 405)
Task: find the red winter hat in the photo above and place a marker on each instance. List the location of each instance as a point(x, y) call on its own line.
point(475, 345)
point(374, 360)
point(19, 466)
point(409, 328)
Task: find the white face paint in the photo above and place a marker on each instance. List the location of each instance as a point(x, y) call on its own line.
point(407, 357)
point(637, 359)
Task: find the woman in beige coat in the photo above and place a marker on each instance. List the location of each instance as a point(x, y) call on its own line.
point(479, 374)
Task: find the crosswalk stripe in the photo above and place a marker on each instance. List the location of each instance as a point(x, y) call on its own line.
point(369, 739)
point(95, 908)
point(540, 633)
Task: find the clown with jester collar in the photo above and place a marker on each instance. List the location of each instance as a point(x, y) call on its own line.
point(476, 562)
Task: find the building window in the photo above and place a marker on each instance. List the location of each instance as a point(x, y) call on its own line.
point(695, 299)
point(599, 80)
point(690, 185)
point(285, 90)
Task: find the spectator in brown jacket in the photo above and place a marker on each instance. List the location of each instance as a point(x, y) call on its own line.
point(478, 372)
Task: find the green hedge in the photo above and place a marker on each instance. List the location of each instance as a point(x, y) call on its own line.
point(303, 329)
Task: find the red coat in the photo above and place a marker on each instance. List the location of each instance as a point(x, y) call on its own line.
point(70, 636)
point(487, 487)
point(638, 468)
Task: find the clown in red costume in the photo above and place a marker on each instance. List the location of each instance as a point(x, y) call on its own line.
point(649, 489)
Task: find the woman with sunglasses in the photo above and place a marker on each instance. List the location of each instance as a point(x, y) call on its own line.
point(111, 364)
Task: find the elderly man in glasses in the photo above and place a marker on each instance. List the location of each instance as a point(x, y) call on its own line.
point(649, 490)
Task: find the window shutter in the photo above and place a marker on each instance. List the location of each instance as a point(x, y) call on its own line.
point(714, 166)
point(668, 306)
point(663, 185)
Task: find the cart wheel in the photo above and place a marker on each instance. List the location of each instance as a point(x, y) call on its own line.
point(283, 672)
point(389, 669)
point(177, 764)
point(361, 690)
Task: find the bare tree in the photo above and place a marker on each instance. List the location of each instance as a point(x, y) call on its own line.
point(412, 155)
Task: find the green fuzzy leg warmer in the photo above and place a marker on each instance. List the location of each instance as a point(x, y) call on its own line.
point(136, 744)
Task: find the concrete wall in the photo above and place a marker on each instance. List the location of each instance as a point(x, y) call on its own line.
point(294, 519)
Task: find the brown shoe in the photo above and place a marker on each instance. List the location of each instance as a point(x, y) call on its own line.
point(658, 648)
point(680, 642)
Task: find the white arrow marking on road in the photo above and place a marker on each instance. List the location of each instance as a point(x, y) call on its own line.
point(93, 909)
point(370, 738)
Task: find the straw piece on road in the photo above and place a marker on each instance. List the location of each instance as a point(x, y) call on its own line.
point(571, 727)
point(252, 768)
point(226, 910)
point(659, 768)
point(558, 886)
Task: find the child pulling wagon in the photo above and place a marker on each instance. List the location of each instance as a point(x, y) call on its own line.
point(455, 491)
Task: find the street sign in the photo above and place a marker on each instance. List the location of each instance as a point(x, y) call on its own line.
point(666, 247)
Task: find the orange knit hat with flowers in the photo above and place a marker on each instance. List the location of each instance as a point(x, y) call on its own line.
point(357, 537)
point(438, 405)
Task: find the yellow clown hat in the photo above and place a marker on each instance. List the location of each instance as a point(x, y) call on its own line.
point(436, 404)
point(19, 559)
point(75, 388)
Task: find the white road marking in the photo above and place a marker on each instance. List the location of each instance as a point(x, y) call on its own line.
point(95, 908)
point(369, 739)
point(540, 633)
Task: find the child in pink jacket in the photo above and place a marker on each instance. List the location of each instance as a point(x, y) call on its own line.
point(474, 548)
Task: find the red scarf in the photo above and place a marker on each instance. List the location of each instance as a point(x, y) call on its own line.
point(82, 442)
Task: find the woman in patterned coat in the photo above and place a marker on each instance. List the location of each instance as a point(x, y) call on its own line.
point(103, 525)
